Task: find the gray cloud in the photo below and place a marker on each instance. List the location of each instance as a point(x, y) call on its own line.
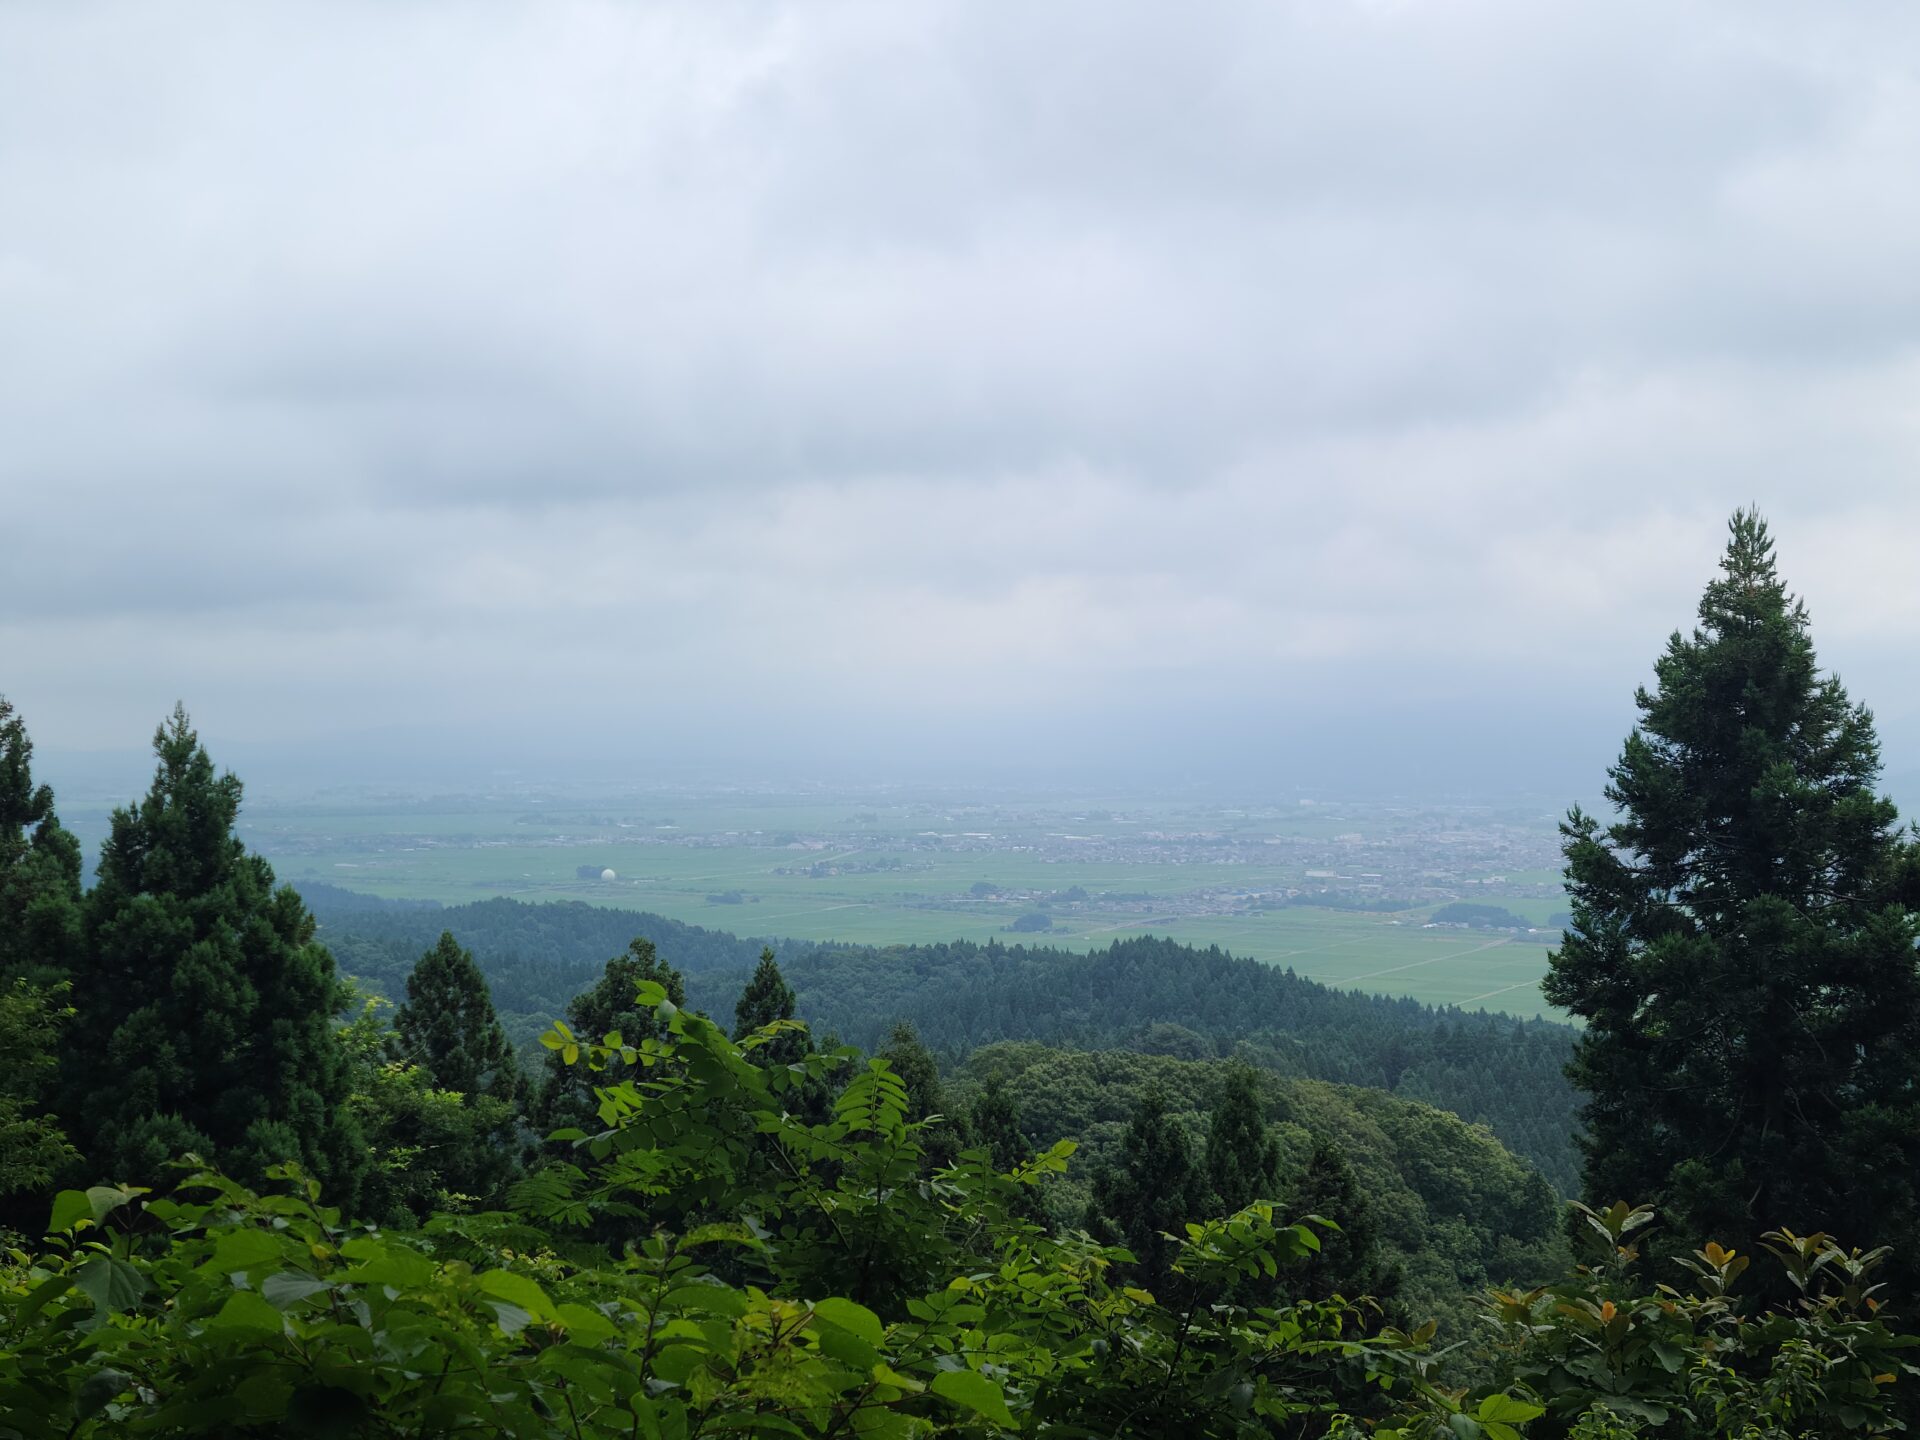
point(939, 369)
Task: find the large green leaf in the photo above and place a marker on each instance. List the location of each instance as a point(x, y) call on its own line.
point(248, 1312)
point(70, 1207)
point(289, 1287)
point(243, 1250)
point(971, 1389)
point(517, 1290)
point(1506, 1410)
point(111, 1283)
point(855, 1319)
point(585, 1325)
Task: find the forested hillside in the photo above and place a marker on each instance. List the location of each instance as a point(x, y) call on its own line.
point(1160, 997)
point(1452, 1211)
point(535, 957)
point(1146, 994)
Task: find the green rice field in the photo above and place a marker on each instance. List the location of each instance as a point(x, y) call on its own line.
point(719, 865)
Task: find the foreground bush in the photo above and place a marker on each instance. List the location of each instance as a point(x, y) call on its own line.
point(1606, 1353)
point(711, 1266)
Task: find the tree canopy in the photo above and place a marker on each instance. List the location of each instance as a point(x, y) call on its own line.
point(1740, 950)
point(204, 1007)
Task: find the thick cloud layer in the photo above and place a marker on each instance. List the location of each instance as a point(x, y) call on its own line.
point(1013, 383)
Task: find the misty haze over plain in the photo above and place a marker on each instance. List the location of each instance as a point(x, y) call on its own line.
point(1299, 391)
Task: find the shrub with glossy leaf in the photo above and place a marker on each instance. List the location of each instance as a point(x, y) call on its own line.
point(709, 1264)
point(767, 1276)
point(1606, 1353)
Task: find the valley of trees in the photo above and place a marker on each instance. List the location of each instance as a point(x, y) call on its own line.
point(1150, 995)
point(531, 1173)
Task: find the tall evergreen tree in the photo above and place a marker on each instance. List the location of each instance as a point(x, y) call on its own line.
point(205, 1008)
point(453, 1112)
point(1348, 1262)
point(39, 868)
point(449, 1029)
point(1738, 951)
point(767, 998)
point(996, 1125)
point(1243, 1161)
point(566, 1099)
point(39, 937)
point(926, 1096)
point(1157, 1187)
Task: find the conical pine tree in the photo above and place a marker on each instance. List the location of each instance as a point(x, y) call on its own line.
point(439, 1094)
point(39, 936)
point(1739, 953)
point(1348, 1262)
point(565, 1099)
point(926, 1095)
point(767, 998)
point(996, 1125)
point(449, 1029)
point(1154, 1191)
point(39, 868)
point(205, 1007)
point(1243, 1161)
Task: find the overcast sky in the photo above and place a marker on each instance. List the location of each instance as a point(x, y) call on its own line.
point(1281, 387)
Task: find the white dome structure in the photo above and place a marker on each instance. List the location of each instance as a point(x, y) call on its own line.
point(608, 875)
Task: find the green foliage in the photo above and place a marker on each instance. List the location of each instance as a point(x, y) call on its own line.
point(1739, 951)
point(1478, 917)
point(1608, 1354)
point(1145, 1199)
point(430, 1149)
point(814, 1279)
point(447, 1026)
point(39, 868)
point(1451, 1211)
point(566, 1097)
point(1140, 994)
point(33, 1147)
point(766, 999)
point(205, 1009)
point(1157, 996)
point(996, 1125)
point(793, 1279)
point(1243, 1160)
point(1350, 1261)
point(766, 1007)
point(536, 957)
point(39, 935)
point(927, 1101)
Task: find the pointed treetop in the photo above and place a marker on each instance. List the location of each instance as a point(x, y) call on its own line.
point(1242, 1159)
point(448, 1025)
point(1749, 589)
point(766, 999)
point(22, 804)
point(1749, 546)
point(176, 740)
point(39, 866)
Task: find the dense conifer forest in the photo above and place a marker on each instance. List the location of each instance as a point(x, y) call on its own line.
point(978, 1190)
point(1149, 995)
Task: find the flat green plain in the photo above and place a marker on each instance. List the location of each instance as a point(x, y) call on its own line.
point(719, 866)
